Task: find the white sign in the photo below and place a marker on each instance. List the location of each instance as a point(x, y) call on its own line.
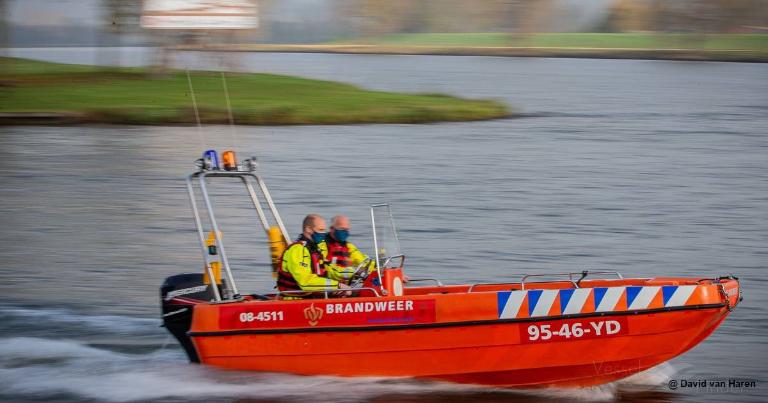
point(199, 14)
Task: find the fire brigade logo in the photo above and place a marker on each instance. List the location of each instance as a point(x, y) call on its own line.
point(313, 314)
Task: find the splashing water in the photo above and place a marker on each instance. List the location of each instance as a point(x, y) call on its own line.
point(40, 368)
point(59, 317)
point(33, 367)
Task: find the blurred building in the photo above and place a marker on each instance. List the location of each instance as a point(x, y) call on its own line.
point(116, 22)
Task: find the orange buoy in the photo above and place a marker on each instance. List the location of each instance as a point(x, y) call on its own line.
point(277, 245)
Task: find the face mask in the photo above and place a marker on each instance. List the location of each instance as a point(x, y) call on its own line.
point(318, 237)
point(341, 235)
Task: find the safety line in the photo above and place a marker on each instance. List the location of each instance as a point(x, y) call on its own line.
point(197, 114)
point(229, 111)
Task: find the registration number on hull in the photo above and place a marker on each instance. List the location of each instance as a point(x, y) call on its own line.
point(573, 329)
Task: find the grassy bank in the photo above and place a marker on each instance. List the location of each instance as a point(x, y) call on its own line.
point(654, 46)
point(39, 92)
point(754, 42)
point(696, 47)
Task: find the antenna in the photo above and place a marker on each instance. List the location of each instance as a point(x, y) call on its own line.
point(229, 111)
point(197, 114)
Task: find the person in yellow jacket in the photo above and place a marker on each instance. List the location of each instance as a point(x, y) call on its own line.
point(342, 256)
point(302, 266)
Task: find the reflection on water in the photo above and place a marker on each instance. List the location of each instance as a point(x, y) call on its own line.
point(650, 168)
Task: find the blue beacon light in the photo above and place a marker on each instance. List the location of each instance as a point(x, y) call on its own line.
point(211, 159)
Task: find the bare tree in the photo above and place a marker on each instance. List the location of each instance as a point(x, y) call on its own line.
point(121, 18)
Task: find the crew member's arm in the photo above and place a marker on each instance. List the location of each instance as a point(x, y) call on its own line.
point(298, 262)
point(335, 272)
point(338, 273)
point(356, 257)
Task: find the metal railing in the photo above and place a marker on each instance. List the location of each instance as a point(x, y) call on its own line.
point(416, 280)
point(390, 258)
point(582, 275)
point(472, 287)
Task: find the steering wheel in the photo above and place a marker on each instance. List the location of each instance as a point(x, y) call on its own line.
point(361, 273)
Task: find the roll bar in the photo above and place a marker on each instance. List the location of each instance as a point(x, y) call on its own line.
point(251, 181)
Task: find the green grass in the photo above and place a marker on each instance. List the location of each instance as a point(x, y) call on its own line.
point(135, 96)
point(754, 42)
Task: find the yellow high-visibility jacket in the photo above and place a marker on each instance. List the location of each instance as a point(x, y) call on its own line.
point(343, 273)
point(297, 261)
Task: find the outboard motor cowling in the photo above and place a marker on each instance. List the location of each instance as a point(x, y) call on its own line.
point(177, 312)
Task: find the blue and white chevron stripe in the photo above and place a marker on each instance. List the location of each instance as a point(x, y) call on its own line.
point(585, 300)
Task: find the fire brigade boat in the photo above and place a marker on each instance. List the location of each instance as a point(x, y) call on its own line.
point(579, 328)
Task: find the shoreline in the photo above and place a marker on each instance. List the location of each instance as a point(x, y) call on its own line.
point(672, 54)
point(84, 119)
point(43, 93)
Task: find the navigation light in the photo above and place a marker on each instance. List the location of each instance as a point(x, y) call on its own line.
point(229, 161)
point(210, 160)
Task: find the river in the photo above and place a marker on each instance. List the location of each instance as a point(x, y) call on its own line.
point(652, 168)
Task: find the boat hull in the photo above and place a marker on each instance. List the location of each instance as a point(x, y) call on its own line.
point(495, 337)
point(485, 354)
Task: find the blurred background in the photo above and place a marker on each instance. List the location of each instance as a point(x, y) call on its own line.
point(31, 23)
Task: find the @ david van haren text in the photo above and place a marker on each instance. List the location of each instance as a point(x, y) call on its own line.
point(709, 384)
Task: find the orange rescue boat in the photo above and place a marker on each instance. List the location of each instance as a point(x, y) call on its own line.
point(579, 329)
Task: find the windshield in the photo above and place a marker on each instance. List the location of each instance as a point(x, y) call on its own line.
point(385, 242)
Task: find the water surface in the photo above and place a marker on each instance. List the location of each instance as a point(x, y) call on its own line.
point(647, 167)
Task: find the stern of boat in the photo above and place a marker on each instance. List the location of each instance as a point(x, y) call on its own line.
point(178, 296)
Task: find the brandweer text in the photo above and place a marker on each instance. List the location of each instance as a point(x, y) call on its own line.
point(386, 306)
